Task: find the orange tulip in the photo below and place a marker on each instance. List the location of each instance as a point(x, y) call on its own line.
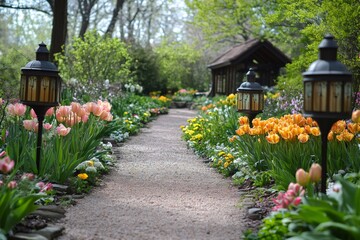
point(240, 131)
point(330, 136)
point(273, 138)
point(315, 131)
point(353, 127)
point(303, 137)
point(243, 120)
point(286, 134)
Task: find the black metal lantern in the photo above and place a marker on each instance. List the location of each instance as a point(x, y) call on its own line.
point(40, 87)
point(250, 96)
point(327, 94)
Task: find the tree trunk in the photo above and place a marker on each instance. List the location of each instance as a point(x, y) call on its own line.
point(118, 7)
point(59, 28)
point(85, 7)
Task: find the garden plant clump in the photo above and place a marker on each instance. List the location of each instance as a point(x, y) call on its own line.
point(268, 151)
point(74, 152)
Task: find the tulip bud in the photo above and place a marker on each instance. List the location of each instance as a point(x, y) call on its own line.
point(302, 177)
point(315, 172)
point(355, 117)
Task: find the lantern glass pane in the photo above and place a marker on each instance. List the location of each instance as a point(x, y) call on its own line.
point(261, 106)
point(348, 97)
point(319, 96)
point(255, 102)
point(58, 90)
point(31, 88)
point(308, 96)
point(246, 101)
point(239, 101)
point(44, 89)
point(335, 97)
point(23, 88)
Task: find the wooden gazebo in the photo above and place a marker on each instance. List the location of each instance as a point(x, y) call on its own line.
point(229, 69)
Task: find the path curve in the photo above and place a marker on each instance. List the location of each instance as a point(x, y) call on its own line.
point(159, 190)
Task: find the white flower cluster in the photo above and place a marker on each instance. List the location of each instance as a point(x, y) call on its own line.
point(90, 166)
point(133, 88)
point(106, 146)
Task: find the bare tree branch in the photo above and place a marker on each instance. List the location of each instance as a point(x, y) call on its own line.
point(26, 8)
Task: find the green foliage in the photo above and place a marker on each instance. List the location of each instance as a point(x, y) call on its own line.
point(224, 21)
point(14, 207)
point(178, 62)
point(303, 25)
point(145, 69)
point(332, 216)
point(12, 59)
point(93, 60)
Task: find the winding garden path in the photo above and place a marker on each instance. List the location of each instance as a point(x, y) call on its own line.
point(159, 190)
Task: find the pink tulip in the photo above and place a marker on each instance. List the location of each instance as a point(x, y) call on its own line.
point(81, 112)
point(47, 126)
point(96, 110)
point(2, 154)
point(297, 201)
point(85, 118)
point(105, 105)
point(12, 184)
point(62, 113)
point(6, 164)
point(50, 112)
point(62, 130)
point(47, 187)
point(16, 109)
point(29, 124)
point(33, 114)
point(89, 106)
point(75, 107)
point(40, 185)
point(28, 176)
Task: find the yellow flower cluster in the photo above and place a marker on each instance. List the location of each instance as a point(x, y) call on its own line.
point(225, 159)
point(289, 128)
point(194, 131)
point(229, 101)
point(164, 99)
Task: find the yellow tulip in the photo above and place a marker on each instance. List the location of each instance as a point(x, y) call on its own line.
point(315, 172)
point(302, 177)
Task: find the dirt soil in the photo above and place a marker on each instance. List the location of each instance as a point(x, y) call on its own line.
point(159, 190)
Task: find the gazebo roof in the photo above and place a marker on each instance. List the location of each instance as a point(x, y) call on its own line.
point(254, 49)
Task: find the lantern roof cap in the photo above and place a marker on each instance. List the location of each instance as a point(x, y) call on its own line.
point(42, 62)
point(250, 84)
point(327, 63)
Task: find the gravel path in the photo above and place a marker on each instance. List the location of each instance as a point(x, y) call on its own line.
point(159, 190)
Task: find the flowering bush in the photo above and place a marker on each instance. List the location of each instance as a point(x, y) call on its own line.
point(281, 103)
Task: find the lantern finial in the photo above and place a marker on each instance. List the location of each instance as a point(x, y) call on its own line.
point(42, 53)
